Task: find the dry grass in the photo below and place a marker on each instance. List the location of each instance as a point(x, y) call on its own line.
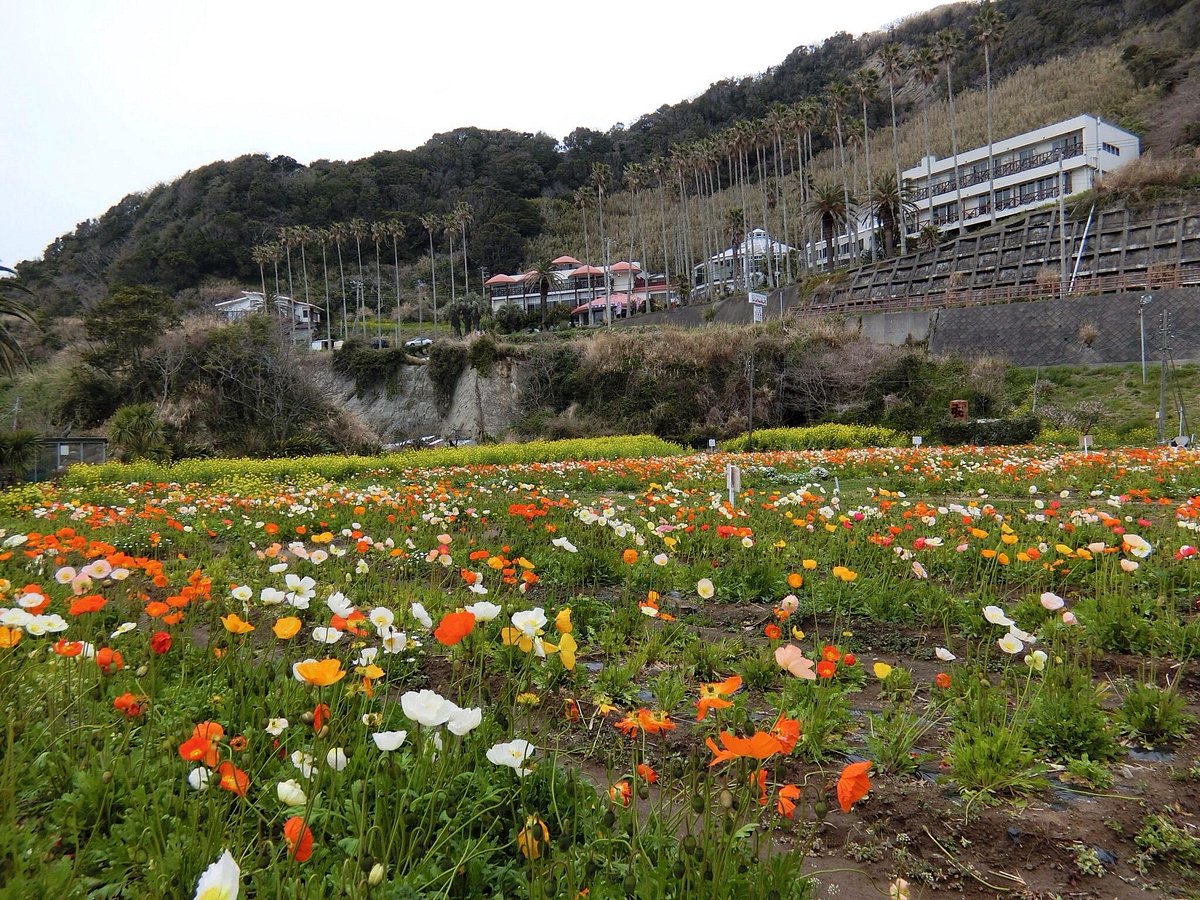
point(1148, 176)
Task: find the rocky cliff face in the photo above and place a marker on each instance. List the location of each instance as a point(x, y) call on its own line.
point(409, 408)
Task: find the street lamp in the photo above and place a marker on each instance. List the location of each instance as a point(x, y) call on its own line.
point(1142, 304)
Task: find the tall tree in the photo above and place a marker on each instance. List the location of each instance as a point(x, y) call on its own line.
point(837, 95)
point(924, 67)
point(601, 181)
point(947, 45)
point(890, 207)
point(989, 25)
point(544, 276)
point(395, 233)
point(865, 83)
point(463, 215)
point(358, 230)
point(450, 229)
point(431, 223)
point(831, 208)
point(892, 59)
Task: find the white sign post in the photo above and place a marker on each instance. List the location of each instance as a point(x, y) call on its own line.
point(917, 440)
point(733, 482)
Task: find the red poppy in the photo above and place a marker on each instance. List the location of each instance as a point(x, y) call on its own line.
point(160, 642)
point(454, 627)
point(238, 743)
point(853, 784)
point(772, 631)
point(848, 659)
point(830, 653)
point(942, 680)
point(320, 715)
point(825, 668)
point(299, 838)
point(233, 779)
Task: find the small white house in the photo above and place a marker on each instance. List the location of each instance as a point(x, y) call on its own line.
point(249, 303)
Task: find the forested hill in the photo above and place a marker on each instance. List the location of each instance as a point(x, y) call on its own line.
point(205, 223)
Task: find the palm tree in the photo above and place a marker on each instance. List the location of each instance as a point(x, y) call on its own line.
point(463, 217)
point(890, 206)
point(13, 291)
point(947, 44)
point(379, 233)
point(543, 275)
point(395, 232)
point(304, 235)
point(287, 237)
point(924, 66)
point(865, 83)
point(831, 207)
point(891, 57)
point(929, 237)
point(431, 223)
point(601, 180)
point(358, 230)
point(450, 229)
point(837, 96)
point(989, 26)
point(261, 255)
point(323, 237)
point(338, 232)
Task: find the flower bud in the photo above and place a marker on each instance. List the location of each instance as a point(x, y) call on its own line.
point(376, 875)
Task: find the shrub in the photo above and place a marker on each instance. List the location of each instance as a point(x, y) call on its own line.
point(1065, 717)
point(447, 359)
point(819, 437)
point(482, 354)
point(1152, 715)
point(989, 432)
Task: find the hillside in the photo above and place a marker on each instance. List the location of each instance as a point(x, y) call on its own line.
point(518, 186)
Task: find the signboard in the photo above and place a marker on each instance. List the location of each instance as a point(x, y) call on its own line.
point(757, 299)
point(758, 315)
point(917, 440)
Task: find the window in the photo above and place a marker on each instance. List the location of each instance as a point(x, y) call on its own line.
point(1111, 148)
point(1025, 155)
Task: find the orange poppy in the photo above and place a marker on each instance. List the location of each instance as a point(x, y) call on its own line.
point(654, 723)
point(786, 804)
point(825, 668)
point(942, 680)
point(786, 731)
point(67, 648)
point(853, 784)
point(320, 715)
point(629, 557)
point(234, 624)
point(795, 580)
point(646, 773)
point(109, 660)
point(89, 604)
point(160, 642)
point(711, 695)
point(454, 627)
point(319, 673)
point(286, 627)
point(130, 705)
point(772, 631)
point(830, 653)
point(620, 793)
point(759, 778)
point(760, 745)
point(232, 779)
point(299, 838)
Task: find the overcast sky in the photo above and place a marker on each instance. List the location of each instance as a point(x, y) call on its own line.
point(101, 98)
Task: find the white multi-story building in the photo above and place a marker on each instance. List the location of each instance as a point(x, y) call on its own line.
point(1028, 170)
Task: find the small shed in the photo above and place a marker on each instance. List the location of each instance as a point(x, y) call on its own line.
point(55, 454)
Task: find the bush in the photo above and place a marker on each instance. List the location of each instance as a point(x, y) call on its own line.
point(369, 368)
point(989, 432)
point(483, 354)
point(819, 437)
point(447, 359)
point(1065, 717)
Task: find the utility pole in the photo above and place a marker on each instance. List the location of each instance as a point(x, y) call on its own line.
point(608, 281)
point(1162, 385)
point(1062, 225)
point(1142, 304)
point(750, 402)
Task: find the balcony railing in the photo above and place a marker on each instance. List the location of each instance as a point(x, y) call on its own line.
point(973, 178)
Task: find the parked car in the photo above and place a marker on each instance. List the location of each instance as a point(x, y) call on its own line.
point(418, 343)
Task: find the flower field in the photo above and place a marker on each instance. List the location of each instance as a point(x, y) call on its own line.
point(878, 672)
